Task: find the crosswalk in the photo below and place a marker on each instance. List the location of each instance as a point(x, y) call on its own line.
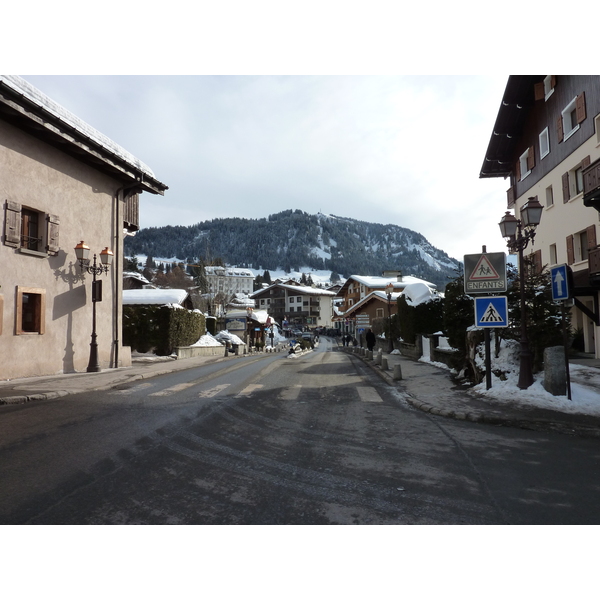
point(365, 393)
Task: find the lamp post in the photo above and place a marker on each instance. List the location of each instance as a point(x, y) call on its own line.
point(82, 252)
point(389, 289)
point(518, 233)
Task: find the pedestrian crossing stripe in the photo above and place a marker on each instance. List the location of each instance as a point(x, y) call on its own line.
point(491, 311)
point(483, 270)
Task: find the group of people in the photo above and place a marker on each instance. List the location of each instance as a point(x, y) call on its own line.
point(370, 339)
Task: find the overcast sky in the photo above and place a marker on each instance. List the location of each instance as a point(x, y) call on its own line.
point(405, 150)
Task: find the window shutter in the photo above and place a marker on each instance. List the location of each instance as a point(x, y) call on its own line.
point(565, 187)
point(538, 89)
point(537, 262)
point(559, 129)
point(570, 251)
point(586, 162)
point(510, 197)
point(580, 107)
point(530, 159)
point(13, 224)
point(591, 237)
point(52, 234)
point(552, 81)
point(518, 170)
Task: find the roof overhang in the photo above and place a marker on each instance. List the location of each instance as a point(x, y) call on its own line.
point(517, 100)
point(26, 112)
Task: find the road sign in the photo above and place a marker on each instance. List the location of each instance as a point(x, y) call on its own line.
point(491, 311)
point(485, 273)
point(559, 276)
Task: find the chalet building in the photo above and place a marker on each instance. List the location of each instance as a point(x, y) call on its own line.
point(62, 183)
point(546, 140)
point(229, 280)
point(358, 287)
point(296, 305)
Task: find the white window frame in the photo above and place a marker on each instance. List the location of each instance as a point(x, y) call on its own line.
point(553, 254)
point(549, 197)
point(548, 89)
point(544, 140)
point(523, 164)
point(566, 117)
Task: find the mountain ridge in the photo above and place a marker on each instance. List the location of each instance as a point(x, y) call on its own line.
point(293, 239)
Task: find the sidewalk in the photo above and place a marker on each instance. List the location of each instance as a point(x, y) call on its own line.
point(431, 389)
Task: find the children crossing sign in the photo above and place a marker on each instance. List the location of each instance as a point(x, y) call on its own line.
point(485, 273)
point(491, 311)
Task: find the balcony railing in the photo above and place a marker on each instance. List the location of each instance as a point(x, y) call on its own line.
point(591, 185)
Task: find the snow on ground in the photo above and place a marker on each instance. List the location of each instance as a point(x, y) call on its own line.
point(207, 341)
point(585, 386)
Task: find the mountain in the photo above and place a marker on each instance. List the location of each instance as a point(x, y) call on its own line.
point(293, 239)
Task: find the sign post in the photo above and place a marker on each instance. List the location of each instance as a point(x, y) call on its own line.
point(560, 277)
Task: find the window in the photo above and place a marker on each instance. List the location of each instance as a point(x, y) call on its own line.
point(31, 309)
point(29, 230)
point(292, 299)
point(544, 89)
point(544, 143)
point(549, 196)
point(579, 244)
point(572, 181)
point(525, 164)
point(553, 255)
point(379, 313)
point(572, 115)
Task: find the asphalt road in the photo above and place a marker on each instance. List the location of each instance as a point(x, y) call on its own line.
point(317, 439)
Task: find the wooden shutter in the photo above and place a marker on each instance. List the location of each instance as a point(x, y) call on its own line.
point(530, 159)
point(591, 237)
point(538, 89)
point(52, 234)
point(586, 162)
point(510, 197)
point(13, 224)
point(580, 107)
point(559, 129)
point(565, 187)
point(518, 170)
point(570, 250)
point(536, 259)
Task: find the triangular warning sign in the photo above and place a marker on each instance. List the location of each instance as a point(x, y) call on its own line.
point(483, 270)
point(491, 315)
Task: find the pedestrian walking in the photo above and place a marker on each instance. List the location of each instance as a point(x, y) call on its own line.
point(370, 338)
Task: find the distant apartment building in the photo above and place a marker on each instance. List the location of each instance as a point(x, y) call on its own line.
point(229, 280)
point(294, 305)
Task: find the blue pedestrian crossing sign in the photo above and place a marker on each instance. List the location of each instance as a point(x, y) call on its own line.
point(491, 311)
point(560, 282)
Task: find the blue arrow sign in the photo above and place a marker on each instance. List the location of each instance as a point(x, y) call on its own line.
point(560, 283)
point(491, 311)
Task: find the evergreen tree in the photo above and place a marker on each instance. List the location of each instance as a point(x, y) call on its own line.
point(267, 277)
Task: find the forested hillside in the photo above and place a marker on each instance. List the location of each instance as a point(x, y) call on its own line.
point(291, 240)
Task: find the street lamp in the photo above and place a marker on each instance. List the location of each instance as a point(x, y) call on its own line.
point(389, 289)
point(518, 233)
point(82, 252)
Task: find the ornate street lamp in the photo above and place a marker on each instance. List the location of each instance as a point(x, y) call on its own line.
point(518, 233)
point(389, 289)
point(82, 252)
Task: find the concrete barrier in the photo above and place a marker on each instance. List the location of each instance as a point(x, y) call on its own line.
point(384, 363)
point(397, 372)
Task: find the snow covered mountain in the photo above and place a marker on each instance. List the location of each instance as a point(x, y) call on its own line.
point(292, 240)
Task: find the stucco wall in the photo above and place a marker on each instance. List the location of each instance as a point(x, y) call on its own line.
point(41, 177)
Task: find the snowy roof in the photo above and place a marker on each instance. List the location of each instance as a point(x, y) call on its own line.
point(64, 119)
point(228, 271)
point(297, 289)
point(134, 275)
point(155, 296)
point(380, 282)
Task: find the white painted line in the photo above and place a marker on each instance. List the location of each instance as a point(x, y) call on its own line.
point(213, 391)
point(291, 393)
point(368, 394)
point(249, 389)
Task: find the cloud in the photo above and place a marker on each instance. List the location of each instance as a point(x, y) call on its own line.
point(392, 149)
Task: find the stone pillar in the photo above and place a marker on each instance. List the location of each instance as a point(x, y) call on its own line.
point(397, 371)
point(555, 373)
point(384, 363)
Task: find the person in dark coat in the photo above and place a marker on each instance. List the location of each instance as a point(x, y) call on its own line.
point(370, 338)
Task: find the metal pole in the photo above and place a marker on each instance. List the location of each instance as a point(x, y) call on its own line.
point(566, 343)
point(525, 366)
point(488, 360)
point(93, 365)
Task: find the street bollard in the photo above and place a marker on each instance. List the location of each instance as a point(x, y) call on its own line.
point(384, 363)
point(397, 372)
point(377, 359)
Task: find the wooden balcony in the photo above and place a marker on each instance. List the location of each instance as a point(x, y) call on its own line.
point(591, 185)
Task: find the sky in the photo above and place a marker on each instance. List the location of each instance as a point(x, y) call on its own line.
point(404, 150)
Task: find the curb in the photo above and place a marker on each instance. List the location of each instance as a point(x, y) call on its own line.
point(519, 423)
